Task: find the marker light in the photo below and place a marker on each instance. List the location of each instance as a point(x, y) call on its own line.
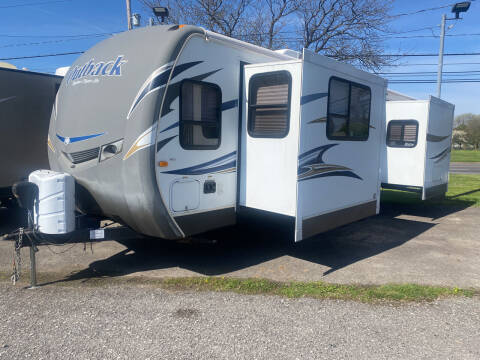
point(110, 150)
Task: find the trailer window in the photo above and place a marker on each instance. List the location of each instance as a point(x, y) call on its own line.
point(200, 115)
point(402, 133)
point(269, 104)
point(348, 113)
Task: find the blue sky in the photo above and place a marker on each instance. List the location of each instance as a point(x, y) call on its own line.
point(35, 29)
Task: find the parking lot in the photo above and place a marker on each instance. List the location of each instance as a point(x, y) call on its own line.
point(144, 322)
point(69, 316)
point(424, 245)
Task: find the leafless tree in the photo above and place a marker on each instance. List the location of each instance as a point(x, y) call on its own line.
point(227, 17)
point(348, 30)
point(271, 19)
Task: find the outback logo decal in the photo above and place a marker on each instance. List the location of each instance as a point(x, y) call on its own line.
point(95, 70)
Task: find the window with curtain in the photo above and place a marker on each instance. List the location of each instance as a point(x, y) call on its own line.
point(269, 104)
point(402, 133)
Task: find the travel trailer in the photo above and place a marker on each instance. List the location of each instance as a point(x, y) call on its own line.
point(26, 100)
point(417, 145)
point(174, 130)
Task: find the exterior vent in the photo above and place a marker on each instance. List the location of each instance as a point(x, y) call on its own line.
point(82, 156)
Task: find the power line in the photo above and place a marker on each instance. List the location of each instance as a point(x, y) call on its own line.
point(434, 64)
point(58, 36)
point(404, 55)
point(421, 77)
point(48, 42)
point(448, 54)
point(422, 10)
point(429, 72)
point(329, 55)
point(413, 30)
point(245, 35)
point(33, 4)
point(453, 81)
point(43, 55)
point(428, 36)
point(239, 35)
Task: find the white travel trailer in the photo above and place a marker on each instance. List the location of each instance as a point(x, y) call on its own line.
point(173, 130)
point(417, 145)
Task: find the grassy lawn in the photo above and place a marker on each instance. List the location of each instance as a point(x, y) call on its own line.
point(465, 156)
point(462, 190)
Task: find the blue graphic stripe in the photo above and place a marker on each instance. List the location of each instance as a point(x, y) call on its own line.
point(174, 91)
point(350, 174)
point(309, 98)
point(164, 142)
point(441, 154)
point(174, 125)
point(162, 79)
point(436, 138)
point(229, 104)
point(78, 138)
point(230, 165)
point(322, 149)
point(204, 169)
point(444, 155)
point(183, 67)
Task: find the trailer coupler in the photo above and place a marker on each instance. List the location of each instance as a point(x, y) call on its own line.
point(36, 239)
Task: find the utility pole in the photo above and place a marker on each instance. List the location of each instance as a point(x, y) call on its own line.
point(440, 57)
point(456, 9)
point(129, 15)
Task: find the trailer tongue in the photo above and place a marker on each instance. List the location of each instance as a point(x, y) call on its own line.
point(54, 227)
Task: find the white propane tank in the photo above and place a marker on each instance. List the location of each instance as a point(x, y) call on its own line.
point(55, 213)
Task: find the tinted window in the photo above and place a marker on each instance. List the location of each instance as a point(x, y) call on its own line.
point(269, 104)
point(200, 115)
point(402, 133)
point(348, 115)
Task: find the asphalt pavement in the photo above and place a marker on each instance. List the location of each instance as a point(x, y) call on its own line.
point(144, 322)
point(425, 245)
point(465, 167)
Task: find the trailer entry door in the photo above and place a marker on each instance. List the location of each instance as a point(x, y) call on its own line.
point(269, 137)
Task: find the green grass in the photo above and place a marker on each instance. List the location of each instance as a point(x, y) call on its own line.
point(465, 156)
point(317, 289)
point(462, 190)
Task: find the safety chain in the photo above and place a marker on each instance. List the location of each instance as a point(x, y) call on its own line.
point(17, 260)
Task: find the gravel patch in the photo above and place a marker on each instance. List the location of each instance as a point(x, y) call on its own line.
point(145, 322)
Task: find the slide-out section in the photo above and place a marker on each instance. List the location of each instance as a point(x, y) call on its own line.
point(342, 115)
point(417, 145)
point(269, 137)
point(438, 147)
